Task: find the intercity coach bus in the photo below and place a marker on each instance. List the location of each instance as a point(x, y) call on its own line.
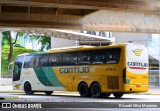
point(92, 71)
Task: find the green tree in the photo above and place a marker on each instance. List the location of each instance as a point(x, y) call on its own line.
point(4, 40)
point(9, 40)
point(44, 40)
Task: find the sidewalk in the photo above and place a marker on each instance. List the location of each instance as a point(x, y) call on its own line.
point(154, 91)
point(5, 81)
point(5, 96)
point(6, 88)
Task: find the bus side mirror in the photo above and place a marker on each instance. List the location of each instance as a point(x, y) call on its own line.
point(11, 66)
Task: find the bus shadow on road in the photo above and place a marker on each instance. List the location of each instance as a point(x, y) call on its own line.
point(79, 97)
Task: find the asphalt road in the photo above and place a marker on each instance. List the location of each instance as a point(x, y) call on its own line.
point(75, 97)
point(73, 102)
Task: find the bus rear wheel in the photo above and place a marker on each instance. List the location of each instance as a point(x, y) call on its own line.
point(49, 92)
point(118, 95)
point(28, 88)
point(96, 90)
point(83, 90)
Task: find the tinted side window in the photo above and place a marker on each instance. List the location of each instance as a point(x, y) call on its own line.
point(84, 57)
point(98, 57)
point(70, 58)
point(43, 60)
point(112, 56)
point(55, 59)
point(30, 61)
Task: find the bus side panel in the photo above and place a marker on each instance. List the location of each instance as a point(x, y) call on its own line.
point(114, 74)
point(40, 79)
point(70, 76)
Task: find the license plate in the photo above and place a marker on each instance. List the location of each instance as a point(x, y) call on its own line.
point(138, 86)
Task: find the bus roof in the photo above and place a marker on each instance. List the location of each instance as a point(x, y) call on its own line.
point(32, 53)
point(78, 48)
point(23, 54)
point(72, 47)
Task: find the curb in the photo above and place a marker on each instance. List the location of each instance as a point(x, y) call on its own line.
point(9, 98)
point(11, 91)
point(148, 93)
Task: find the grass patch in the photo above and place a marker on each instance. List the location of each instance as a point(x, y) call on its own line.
point(5, 52)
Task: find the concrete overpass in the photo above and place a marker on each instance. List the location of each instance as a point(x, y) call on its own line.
point(98, 15)
point(103, 15)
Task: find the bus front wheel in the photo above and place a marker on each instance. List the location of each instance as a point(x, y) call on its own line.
point(49, 92)
point(83, 90)
point(28, 89)
point(118, 95)
point(96, 90)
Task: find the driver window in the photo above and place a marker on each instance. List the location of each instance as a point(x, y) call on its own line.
point(17, 68)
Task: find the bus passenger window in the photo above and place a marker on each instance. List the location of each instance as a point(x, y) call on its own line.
point(112, 56)
point(98, 57)
point(30, 61)
point(70, 58)
point(43, 60)
point(84, 58)
point(55, 59)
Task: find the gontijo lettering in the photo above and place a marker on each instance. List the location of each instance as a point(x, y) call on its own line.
point(74, 70)
point(137, 64)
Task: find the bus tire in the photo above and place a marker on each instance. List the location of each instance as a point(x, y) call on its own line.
point(96, 90)
point(118, 95)
point(48, 92)
point(106, 95)
point(28, 88)
point(83, 89)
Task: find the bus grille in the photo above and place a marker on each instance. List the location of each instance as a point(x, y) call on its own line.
point(113, 82)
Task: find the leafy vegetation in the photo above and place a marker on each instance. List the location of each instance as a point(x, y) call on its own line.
point(8, 37)
point(5, 52)
point(8, 40)
point(44, 40)
point(9, 52)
